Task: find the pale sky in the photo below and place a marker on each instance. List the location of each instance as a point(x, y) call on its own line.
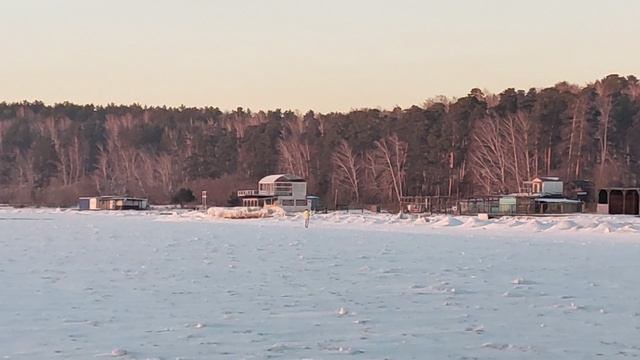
point(326, 55)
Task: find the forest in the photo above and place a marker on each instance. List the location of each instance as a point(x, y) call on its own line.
point(479, 144)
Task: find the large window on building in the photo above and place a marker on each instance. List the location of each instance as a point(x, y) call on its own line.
point(284, 189)
point(266, 188)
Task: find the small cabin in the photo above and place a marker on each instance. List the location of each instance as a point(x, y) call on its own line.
point(619, 201)
point(284, 190)
point(314, 202)
point(545, 186)
point(112, 203)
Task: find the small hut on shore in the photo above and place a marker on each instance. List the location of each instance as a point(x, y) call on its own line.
point(619, 200)
point(112, 203)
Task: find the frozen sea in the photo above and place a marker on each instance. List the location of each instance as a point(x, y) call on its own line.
point(82, 285)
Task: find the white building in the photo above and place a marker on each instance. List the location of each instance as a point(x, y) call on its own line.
point(284, 190)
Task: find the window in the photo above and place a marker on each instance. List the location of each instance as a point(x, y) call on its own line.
point(266, 188)
point(301, 202)
point(284, 189)
point(603, 197)
point(287, 202)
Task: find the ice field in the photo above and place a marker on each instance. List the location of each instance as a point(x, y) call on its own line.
point(126, 285)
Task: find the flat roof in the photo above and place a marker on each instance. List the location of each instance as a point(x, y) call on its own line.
point(557, 201)
point(621, 188)
point(113, 197)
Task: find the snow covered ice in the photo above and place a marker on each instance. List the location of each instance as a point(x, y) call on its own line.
point(123, 285)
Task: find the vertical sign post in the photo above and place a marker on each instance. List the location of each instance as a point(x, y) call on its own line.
point(204, 200)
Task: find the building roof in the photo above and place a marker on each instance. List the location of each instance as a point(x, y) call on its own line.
point(280, 178)
point(112, 197)
point(547, 178)
point(621, 188)
point(557, 200)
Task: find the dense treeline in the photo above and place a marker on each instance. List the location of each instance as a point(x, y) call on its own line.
point(478, 144)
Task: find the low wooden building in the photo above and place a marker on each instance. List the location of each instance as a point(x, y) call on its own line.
point(518, 205)
point(314, 202)
point(541, 196)
point(112, 203)
point(619, 201)
point(557, 206)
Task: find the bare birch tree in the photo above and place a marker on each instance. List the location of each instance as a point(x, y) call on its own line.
point(295, 153)
point(391, 156)
point(347, 167)
point(500, 155)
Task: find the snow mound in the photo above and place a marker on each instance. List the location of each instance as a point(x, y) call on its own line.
point(514, 222)
point(565, 225)
point(629, 228)
point(448, 221)
point(279, 348)
point(421, 221)
point(114, 353)
point(604, 227)
point(473, 222)
point(535, 226)
point(522, 281)
point(245, 212)
point(503, 346)
point(118, 352)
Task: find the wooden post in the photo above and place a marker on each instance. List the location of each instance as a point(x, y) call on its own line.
point(204, 200)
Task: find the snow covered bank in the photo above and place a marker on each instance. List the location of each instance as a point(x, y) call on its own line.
point(244, 212)
point(579, 223)
point(583, 223)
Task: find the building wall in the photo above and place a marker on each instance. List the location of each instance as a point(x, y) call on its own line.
point(507, 204)
point(615, 202)
point(619, 201)
point(294, 208)
point(300, 190)
point(602, 209)
point(83, 204)
point(631, 202)
point(552, 188)
point(88, 203)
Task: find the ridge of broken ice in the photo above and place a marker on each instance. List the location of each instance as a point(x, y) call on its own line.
point(579, 223)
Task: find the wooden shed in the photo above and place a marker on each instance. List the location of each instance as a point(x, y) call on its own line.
point(622, 201)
